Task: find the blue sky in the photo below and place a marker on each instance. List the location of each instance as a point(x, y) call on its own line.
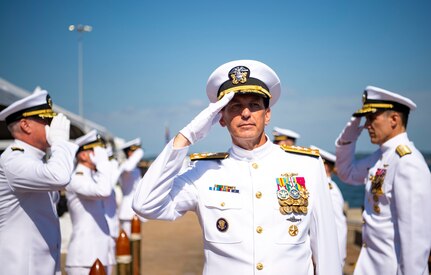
point(146, 63)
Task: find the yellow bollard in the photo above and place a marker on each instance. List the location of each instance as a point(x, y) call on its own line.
point(124, 259)
point(97, 268)
point(135, 243)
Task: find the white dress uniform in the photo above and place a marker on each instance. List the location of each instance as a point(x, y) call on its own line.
point(91, 237)
point(397, 228)
point(340, 218)
point(236, 201)
point(29, 226)
point(129, 179)
point(110, 204)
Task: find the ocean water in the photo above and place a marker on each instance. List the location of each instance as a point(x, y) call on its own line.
point(354, 195)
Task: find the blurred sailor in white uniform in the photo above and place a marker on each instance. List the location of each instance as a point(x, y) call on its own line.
point(264, 209)
point(90, 186)
point(337, 201)
point(397, 229)
point(284, 136)
point(29, 183)
point(129, 179)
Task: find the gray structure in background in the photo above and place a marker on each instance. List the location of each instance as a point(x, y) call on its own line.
point(10, 93)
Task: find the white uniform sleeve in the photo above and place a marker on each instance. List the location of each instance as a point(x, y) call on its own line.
point(349, 169)
point(323, 232)
point(27, 173)
point(115, 175)
point(100, 187)
point(161, 194)
point(412, 193)
point(130, 163)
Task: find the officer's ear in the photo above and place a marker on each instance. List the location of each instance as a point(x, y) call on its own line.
point(395, 119)
point(267, 116)
point(221, 121)
point(25, 125)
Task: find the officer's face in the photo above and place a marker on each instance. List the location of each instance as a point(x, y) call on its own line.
point(37, 130)
point(380, 126)
point(245, 117)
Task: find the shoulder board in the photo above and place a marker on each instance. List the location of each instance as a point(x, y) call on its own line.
point(208, 156)
point(301, 150)
point(14, 148)
point(79, 173)
point(403, 150)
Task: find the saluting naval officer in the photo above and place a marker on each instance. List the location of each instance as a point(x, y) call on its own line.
point(285, 136)
point(337, 201)
point(87, 193)
point(397, 229)
point(264, 209)
point(129, 178)
point(29, 184)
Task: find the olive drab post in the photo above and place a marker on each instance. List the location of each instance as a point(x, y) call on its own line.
point(135, 243)
point(124, 258)
point(97, 268)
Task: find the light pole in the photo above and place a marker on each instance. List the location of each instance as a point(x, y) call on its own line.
point(80, 29)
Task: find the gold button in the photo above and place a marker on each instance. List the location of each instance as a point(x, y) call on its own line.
point(259, 229)
point(258, 195)
point(222, 204)
point(259, 266)
point(364, 244)
point(254, 165)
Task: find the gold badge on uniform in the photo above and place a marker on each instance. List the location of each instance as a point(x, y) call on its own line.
point(222, 225)
point(292, 194)
point(293, 230)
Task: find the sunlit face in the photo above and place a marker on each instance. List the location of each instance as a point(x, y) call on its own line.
point(245, 116)
point(38, 133)
point(380, 126)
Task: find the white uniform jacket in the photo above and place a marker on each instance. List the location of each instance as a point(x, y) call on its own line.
point(29, 227)
point(90, 231)
point(340, 218)
point(129, 179)
point(238, 209)
point(110, 203)
point(397, 228)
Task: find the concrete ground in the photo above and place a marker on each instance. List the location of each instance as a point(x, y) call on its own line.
point(176, 248)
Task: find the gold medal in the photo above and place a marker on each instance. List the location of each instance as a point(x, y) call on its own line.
point(375, 198)
point(282, 202)
point(303, 209)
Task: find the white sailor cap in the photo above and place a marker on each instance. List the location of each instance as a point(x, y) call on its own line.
point(89, 141)
point(283, 134)
point(38, 104)
point(374, 99)
point(131, 145)
point(244, 76)
point(325, 154)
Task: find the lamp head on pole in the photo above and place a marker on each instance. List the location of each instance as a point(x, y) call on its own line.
point(80, 28)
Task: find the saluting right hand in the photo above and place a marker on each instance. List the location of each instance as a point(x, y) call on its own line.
point(99, 156)
point(200, 126)
point(58, 130)
point(351, 132)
